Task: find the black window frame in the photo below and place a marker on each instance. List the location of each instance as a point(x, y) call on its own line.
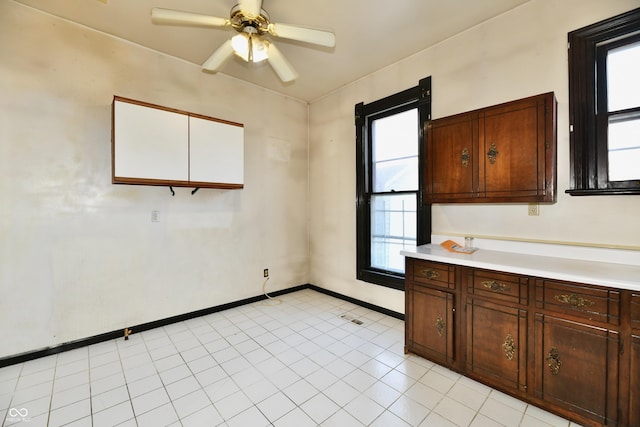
point(587, 97)
point(416, 97)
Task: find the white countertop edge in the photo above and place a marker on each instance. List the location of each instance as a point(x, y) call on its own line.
point(621, 276)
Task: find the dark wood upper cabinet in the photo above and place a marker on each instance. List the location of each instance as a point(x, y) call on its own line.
point(499, 154)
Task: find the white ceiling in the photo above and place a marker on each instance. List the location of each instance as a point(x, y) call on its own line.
point(370, 34)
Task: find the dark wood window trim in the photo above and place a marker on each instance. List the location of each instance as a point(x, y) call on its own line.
point(416, 97)
point(588, 133)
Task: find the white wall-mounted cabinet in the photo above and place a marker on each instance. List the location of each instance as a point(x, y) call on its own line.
point(153, 145)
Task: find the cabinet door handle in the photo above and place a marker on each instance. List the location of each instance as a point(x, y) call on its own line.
point(465, 157)
point(429, 273)
point(495, 286)
point(492, 153)
point(553, 361)
point(509, 347)
point(575, 301)
point(440, 325)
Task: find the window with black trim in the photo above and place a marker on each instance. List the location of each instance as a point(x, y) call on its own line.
point(604, 106)
point(390, 213)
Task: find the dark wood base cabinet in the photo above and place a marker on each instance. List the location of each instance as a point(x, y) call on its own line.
point(634, 369)
point(570, 348)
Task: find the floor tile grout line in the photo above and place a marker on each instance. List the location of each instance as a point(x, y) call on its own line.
point(315, 329)
point(126, 383)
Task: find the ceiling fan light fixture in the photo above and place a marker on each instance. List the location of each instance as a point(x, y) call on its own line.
point(252, 43)
point(250, 48)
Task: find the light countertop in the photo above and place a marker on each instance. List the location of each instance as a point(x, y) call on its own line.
point(622, 276)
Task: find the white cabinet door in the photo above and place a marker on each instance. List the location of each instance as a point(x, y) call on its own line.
point(150, 143)
point(216, 152)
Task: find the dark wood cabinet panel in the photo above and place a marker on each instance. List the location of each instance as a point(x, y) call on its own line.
point(430, 328)
point(504, 153)
point(450, 173)
point(513, 141)
point(634, 367)
point(496, 345)
point(635, 310)
point(576, 367)
point(634, 376)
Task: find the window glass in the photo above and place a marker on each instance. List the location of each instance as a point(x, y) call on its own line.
point(624, 150)
point(395, 152)
point(393, 228)
point(623, 84)
point(623, 93)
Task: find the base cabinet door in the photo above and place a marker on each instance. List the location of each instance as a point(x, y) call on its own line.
point(430, 324)
point(497, 344)
point(634, 389)
point(576, 367)
point(634, 350)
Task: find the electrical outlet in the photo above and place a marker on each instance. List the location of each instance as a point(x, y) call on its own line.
point(534, 209)
point(266, 272)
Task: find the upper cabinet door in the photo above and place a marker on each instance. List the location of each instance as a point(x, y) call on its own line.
point(513, 141)
point(216, 152)
point(149, 144)
point(450, 148)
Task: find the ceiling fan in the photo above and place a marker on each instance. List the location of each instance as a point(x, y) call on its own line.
point(252, 24)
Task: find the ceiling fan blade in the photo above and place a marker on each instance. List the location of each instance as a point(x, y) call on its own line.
point(177, 17)
point(280, 65)
point(251, 7)
point(219, 57)
point(322, 38)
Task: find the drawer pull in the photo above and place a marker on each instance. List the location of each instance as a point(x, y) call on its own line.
point(429, 273)
point(509, 347)
point(495, 286)
point(465, 157)
point(553, 360)
point(575, 301)
point(440, 325)
point(492, 153)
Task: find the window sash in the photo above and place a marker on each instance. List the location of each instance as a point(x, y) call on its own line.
point(393, 228)
point(417, 97)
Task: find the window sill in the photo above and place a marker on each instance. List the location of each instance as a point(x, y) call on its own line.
point(378, 277)
point(604, 191)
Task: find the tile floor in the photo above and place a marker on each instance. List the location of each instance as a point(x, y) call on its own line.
point(298, 363)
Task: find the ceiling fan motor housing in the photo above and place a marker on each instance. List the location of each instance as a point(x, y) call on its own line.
point(243, 22)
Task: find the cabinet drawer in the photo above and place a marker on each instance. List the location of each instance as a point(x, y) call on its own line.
point(579, 300)
point(434, 273)
point(500, 286)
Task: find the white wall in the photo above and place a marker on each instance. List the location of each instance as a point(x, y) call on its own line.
point(80, 256)
point(518, 54)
